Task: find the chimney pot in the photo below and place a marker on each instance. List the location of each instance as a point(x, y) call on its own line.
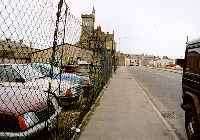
point(21, 41)
point(8, 39)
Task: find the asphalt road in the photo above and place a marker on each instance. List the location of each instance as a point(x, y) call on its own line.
point(164, 89)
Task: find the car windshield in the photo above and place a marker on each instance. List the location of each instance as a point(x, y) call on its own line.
point(8, 74)
point(28, 72)
point(45, 69)
point(73, 78)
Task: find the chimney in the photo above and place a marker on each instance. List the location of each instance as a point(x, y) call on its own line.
point(21, 41)
point(31, 44)
point(8, 39)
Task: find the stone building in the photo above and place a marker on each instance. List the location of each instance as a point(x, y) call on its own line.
point(93, 38)
point(110, 43)
point(96, 40)
point(165, 62)
point(121, 59)
point(15, 52)
point(87, 30)
point(69, 53)
point(146, 60)
point(136, 59)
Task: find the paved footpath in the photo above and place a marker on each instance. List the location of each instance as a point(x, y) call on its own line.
point(125, 113)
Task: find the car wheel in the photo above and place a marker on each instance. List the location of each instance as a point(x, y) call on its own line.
point(191, 125)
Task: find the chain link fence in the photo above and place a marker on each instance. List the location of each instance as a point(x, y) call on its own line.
point(48, 80)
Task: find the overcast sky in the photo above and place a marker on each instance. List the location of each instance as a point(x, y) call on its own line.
point(157, 27)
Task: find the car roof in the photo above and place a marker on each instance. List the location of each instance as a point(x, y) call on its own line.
point(83, 62)
point(16, 66)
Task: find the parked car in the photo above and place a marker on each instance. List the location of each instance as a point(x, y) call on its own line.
point(81, 71)
point(191, 89)
point(84, 70)
point(25, 106)
point(69, 68)
point(74, 92)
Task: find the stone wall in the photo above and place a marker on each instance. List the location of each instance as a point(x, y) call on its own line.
point(70, 52)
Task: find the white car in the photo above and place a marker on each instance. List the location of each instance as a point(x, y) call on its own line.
point(71, 89)
point(27, 101)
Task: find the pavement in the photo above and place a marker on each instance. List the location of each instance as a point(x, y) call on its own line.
point(126, 113)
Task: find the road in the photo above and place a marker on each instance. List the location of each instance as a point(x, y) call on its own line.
point(125, 112)
point(164, 89)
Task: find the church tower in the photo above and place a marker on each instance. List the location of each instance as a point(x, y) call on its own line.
point(88, 21)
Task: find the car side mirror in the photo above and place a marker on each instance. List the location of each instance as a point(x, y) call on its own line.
point(180, 62)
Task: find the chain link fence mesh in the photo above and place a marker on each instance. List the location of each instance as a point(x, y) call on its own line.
point(48, 80)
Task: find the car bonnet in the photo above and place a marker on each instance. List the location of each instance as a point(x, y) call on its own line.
point(18, 98)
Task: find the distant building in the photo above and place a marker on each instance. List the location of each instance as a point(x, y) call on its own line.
point(90, 35)
point(110, 44)
point(163, 62)
point(146, 60)
point(70, 54)
point(84, 49)
point(121, 59)
point(135, 59)
point(87, 30)
point(15, 52)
